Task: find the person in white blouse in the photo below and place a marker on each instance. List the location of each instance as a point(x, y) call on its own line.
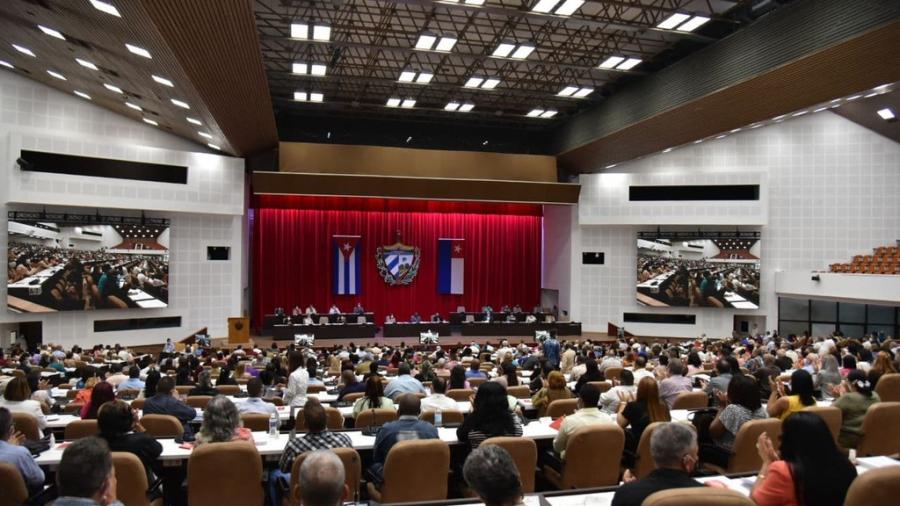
point(298, 381)
point(609, 400)
point(17, 399)
point(437, 400)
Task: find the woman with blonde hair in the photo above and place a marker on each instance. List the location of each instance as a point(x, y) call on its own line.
point(882, 365)
point(640, 411)
point(555, 389)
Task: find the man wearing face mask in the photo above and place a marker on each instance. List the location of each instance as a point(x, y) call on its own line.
point(673, 447)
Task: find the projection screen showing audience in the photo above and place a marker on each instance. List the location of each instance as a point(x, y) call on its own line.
point(694, 272)
point(55, 266)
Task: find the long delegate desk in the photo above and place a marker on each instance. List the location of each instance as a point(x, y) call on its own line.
point(404, 329)
point(460, 318)
point(270, 320)
point(519, 329)
point(330, 331)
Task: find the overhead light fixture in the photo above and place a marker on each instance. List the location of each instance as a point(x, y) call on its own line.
point(150, 122)
point(299, 31)
point(4, 63)
point(694, 23)
point(315, 96)
point(430, 41)
point(82, 95)
point(629, 64)
point(407, 76)
point(213, 146)
point(408, 103)
point(24, 50)
point(755, 126)
point(112, 88)
point(548, 113)
point(672, 21)
point(721, 136)
point(523, 51)
point(667, 150)
point(484, 83)
point(736, 130)
point(424, 78)
point(854, 97)
point(180, 103)
point(820, 109)
point(466, 107)
point(682, 22)
point(194, 121)
point(408, 139)
point(575, 91)
point(138, 51)
point(204, 135)
point(317, 69)
point(611, 165)
point(393, 102)
point(134, 106)
point(299, 68)
point(163, 81)
point(541, 113)
point(51, 32)
point(412, 76)
point(474, 2)
point(534, 113)
point(887, 114)
point(320, 32)
point(445, 44)
point(458, 107)
point(490, 83)
point(611, 62)
point(514, 50)
point(566, 8)
point(106, 7)
point(85, 63)
point(798, 113)
point(57, 75)
point(503, 49)
point(314, 69)
point(426, 41)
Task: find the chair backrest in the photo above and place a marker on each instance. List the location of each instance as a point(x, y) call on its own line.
point(407, 480)
point(352, 472)
point(314, 389)
point(198, 401)
point(352, 397)
point(879, 430)
point(27, 424)
point(524, 453)
point(833, 418)
point(519, 392)
point(691, 400)
point(476, 382)
point(75, 407)
point(162, 425)
point(278, 401)
point(469, 318)
point(225, 473)
point(562, 407)
point(888, 387)
point(447, 416)
point(878, 486)
point(131, 479)
point(138, 404)
point(698, 496)
point(460, 394)
point(256, 421)
point(15, 492)
point(593, 453)
point(611, 373)
point(184, 389)
point(645, 464)
point(127, 394)
point(745, 456)
point(80, 428)
point(228, 389)
point(379, 416)
point(334, 419)
point(602, 386)
point(71, 393)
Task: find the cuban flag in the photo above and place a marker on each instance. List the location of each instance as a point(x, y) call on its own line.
point(347, 271)
point(450, 265)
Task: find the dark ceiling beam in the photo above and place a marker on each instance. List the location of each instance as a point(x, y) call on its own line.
point(813, 51)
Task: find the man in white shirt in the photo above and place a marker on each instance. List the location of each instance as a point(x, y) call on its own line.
point(254, 403)
point(437, 400)
point(640, 370)
point(609, 400)
point(587, 414)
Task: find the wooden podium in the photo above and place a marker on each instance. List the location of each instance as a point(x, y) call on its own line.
point(239, 330)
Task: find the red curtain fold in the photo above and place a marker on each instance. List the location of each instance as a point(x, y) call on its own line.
point(293, 260)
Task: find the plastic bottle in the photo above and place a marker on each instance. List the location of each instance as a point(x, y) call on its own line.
point(52, 440)
point(273, 426)
point(438, 418)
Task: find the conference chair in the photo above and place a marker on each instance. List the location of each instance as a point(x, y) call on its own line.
point(379, 416)
point(561, 407)
point(449, 416)
point(470, 318)
point(314, 389)
point(73, 407)
point(323, 320)
point(15, 492)
point(79, 429)
point(27, 424)
point(184, 389)
point(888, 387)
point(612, 373)
point(334, 420)
point(71, 394)
point(352, 473)
point(833, 418)
point(278, 401)
point(698, 496)
point(476, 382)
point(406, 479)
point(162, 426)
point(878, 486)
point(524, 453)
point(137, 404)
point(644, 464)
point(351, 398)
point(198, 401)
point(592, 458)
point(744, 455)
point(256, 422)
point(360, 320)
point(519, 392)
point(131, 480)
point(228, 389)
point(128, 394)
point(225, 473)
point(879, 430)
point(602, 386)
point(460, 394)
point(691, 400)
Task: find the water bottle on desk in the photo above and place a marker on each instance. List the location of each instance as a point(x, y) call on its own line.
point(52, 440)
point(438, 418)
point(273, 426)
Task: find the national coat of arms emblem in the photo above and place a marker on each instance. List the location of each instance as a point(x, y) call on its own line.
point(397, 263)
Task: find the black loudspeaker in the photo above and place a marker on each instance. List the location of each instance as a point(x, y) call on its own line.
point(592, 258)
point(218, 252)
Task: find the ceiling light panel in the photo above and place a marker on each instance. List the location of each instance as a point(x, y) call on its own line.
point(322, 33)
point(446, 43)
point(408, 103)
point(138, 51)
point(82, 95)
point(611, 62)
point(534, 113)
point(51, 32)
point(163, 81)
point(426, 41)
point(568, 7)
point(451, 106)
point(503, 50)
point(4, 63)
point(544, 6)
point(194, 121)
point(887, 114)
point(24, 50)
point(694, 23)
point(180, 103)
point(86, 64)
point(106, 7)
point(299, 31)
point(466, 107)
point(57, 75)
point(523, 51)
point(474, 82)
point(133, 106)
point(407, 76)
point(114, 89)
point(150, 122)
point(393, 102)
point(213, 146)
point(673, 21)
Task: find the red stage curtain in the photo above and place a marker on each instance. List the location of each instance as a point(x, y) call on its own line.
point(293, 256)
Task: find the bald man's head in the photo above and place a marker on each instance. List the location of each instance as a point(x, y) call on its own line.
point(321, 480)
point(409, 405)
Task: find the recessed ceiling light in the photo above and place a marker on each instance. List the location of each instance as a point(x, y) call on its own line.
point(887, 114)
point(451, 106)
point(721, 136)
point(611, 62)
point(112, 88)
point(698, 141)
point(85, 63)
point(426, 41)
point(82, 95)
point(629, 64)
point(217, 148)
point(575, 91)
point(163, 81)
point(57, 75)
point(134, 106)
point(51, 32)
point(393, 102)
point(548, 113)
point(4, 63)
point(446, 43)
point(299, 68)
point(736, 130)
point(105, 7)
point(503, 50)
point(798, 113)
point(820, 109)
point(317, 69)
point(694, 23)
point(674, 20)
point(316, 97)
point(321, 33)
point(150, 122)
point(138, 50)
point(301, 96)
point(583, 92)
point(474, 82)
point(466, 107)
point(569, 7)
point(407, 103)
point(204, 135)
point(523, 51)
point(474, 2)
point(776, 118)
point(756, 126)
point(23, 50)
point(194, 121)
point(534, 113)
point(568, 91)
point(667, 150)
point(424, 78)
point(544, 6)
point(854, 97)
point(611, 166)
point(299, 31)
point(407, 76)
point(179, 103)
point(490, 83)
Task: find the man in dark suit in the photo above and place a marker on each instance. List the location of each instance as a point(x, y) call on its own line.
point(165, 403)
point(120, 429)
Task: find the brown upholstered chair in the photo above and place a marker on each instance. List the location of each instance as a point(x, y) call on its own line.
point(80, 428)
point(691, 400)
point(228, 389)
point(524, 453)
point(612, 373)
point(645, 464)
point(519, 392)
point(71, 394)
point(257, 422)
point(833, 418)
point(27, 424)
point(128, 394)
point(879, 430)
point(447, 416)
point(476, 382)
point(878, 486)
point(138, 404)
point(379, 416)
point(352, 397)
point(225, 473)
point(406, 479)
point(184, 389)
point(745, 456)
point(352, 472)
point(888, 387)
point(198, 401)
point(314, 389)
point(698, 496)
point(278, 401)
point(460, 394)
point(162, 425)
point(131, 480)
point(334, 419)
point(602, 386)
point(15, 492)
point(592, 458)
point(562, 407)
point(73, 407)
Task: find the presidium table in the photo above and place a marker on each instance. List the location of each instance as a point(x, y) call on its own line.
point(519, 328)
point(326, 331)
